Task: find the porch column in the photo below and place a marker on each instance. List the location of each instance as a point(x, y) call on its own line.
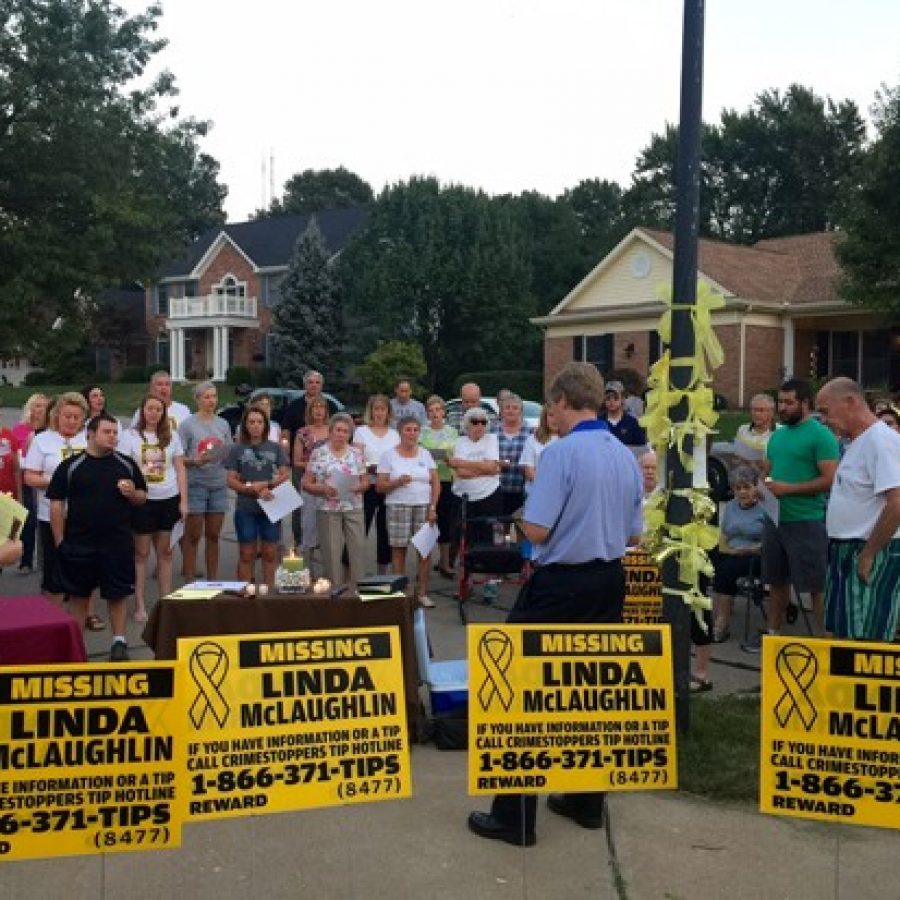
point(176, 353)
point(217, 354)
point(223, 351)
point(788, 358)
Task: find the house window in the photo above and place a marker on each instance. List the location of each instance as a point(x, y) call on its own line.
point(229, 286)
point(162, 300)
point(271, 289)
point(190, 289)
point(162, 350)
point(596, 349)
point(845, 354)
point(876, 359)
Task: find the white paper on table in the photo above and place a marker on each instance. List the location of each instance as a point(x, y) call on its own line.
point(769, 502)
point(425, 539)
point(344, 484)
point(176, 534)
point(285, 500)
point(216, 585)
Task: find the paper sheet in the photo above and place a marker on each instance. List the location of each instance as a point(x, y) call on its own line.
point(176, 534)
point(768, 501)
point(284, 501)
point(344, 484)
point(12, 517)
point(193, 594)
point(218, 586)
point(425, 539)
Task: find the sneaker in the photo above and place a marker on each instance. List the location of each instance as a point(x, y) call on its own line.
point(753, 645)
point(426, 601)
point(119, 652)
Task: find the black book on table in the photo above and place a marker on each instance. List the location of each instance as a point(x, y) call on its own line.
point(382, 584)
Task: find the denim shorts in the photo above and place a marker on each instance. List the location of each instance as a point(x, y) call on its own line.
point(202, 499)
point(251, 527)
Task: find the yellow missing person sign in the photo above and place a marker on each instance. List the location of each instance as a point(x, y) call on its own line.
point(277, 722)
point(830, 743)
point(91, 759)
point(570, 708)
point(643, 588)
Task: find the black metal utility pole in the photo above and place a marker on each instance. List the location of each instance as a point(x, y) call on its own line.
point(684, 292)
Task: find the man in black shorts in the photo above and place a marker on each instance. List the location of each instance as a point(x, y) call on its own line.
point(91, 496)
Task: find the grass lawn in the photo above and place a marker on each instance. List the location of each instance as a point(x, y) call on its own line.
point(719, 758)
point(122, 399)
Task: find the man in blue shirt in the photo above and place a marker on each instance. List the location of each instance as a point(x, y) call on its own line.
point(583, 511)
point(621, 423)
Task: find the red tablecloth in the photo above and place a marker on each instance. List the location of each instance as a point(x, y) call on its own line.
point(34, 630)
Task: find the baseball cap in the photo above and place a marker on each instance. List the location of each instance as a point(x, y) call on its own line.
point(615, 387)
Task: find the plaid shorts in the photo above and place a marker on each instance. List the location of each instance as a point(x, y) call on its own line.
point(403, 522)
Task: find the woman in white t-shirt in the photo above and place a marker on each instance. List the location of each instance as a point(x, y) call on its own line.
point(544, 435)
point(476, 463)
point(63, 438)
point(375, 438)
point(408, 478)
point(159, 452)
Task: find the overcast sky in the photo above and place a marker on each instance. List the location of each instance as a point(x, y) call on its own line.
point(506, 95)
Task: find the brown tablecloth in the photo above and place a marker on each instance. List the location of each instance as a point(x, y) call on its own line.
point(34, 630)
point(172, 619)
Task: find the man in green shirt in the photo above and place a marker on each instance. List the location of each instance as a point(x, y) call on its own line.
point(802, 458)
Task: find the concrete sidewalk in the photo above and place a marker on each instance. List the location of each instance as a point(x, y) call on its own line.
point(662, 845)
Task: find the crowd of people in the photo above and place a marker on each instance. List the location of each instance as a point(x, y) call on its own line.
point(406, 467)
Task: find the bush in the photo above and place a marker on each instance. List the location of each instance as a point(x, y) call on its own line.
point(138, 374)
point(391, 360)
point(526, 383)
point(36, 377)
point(238, 375)
point(263, 377)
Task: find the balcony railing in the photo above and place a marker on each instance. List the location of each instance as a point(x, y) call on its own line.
point(212, 305)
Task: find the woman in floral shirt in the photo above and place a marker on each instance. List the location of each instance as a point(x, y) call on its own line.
point(336, 476)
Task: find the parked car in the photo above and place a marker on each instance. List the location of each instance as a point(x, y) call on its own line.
point(281, 397)
point(531, 411)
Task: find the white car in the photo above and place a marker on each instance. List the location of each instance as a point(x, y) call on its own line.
point(531, 411)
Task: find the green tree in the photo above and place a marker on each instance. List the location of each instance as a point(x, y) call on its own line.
point(785, 166)
point(99, 179)
point(444, 268)
point(313, 190)
point(306, 322)
point(552, 244)
point(602, 222)
point(870, 256)
point(390, 360)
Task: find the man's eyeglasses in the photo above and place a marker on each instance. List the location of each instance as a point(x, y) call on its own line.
point(478, 421)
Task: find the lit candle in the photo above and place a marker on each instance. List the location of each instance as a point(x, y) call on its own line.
point(292, 563)
point(263, 590)
point(250, 590)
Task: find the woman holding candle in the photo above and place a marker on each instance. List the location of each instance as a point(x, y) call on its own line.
point(158, 452)
point(336, 476)
point(438, 435)
point(408, 477)
point(256, 466)
point(375, 438)
point(313, 434)
point(206, 438)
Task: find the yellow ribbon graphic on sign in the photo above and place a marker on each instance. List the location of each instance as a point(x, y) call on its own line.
point(495, 652)
point(209, 666)
point(796, 666)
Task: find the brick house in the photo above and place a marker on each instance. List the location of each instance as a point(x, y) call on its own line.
point(212, 309)
point(782, 316)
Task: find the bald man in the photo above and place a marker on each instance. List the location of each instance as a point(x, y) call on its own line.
point(863, 519)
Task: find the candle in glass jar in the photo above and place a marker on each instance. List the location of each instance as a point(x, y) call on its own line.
point(292, 563)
